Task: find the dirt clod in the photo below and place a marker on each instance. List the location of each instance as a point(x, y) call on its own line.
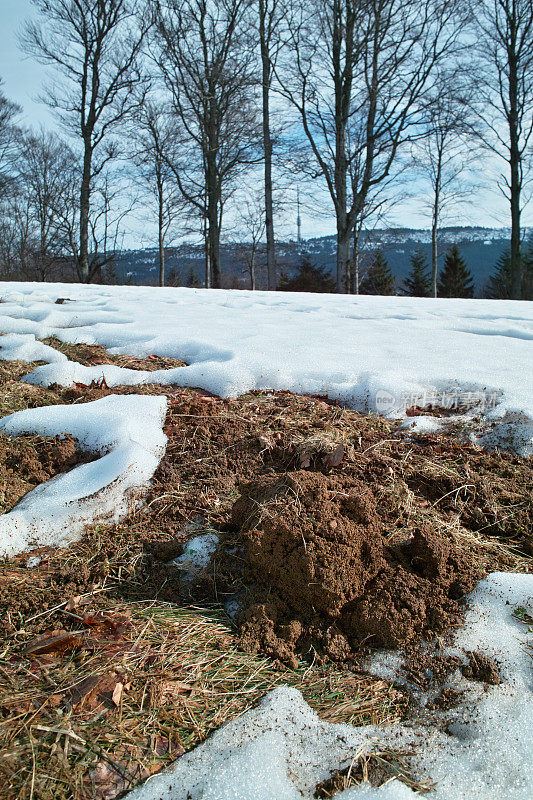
point(481, 668)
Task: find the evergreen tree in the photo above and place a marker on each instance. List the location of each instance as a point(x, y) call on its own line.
point(378, 279)
point(455, 280)
point(110, 275)
point(309, 278)
point(500, 283)
point(417, 282)
point(192, 281)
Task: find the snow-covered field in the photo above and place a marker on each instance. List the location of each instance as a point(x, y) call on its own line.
point(372, 353)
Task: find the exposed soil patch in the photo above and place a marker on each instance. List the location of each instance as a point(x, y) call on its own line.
point(91, 355)
point(216, 445)
point(326, 580)
point(27, 461)
point(481, 668)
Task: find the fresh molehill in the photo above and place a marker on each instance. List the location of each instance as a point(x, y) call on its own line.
point(324, 579)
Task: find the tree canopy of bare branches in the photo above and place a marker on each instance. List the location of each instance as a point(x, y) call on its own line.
point(357, 71)
point(208, 66)
point(503, 103)
point(95, 46)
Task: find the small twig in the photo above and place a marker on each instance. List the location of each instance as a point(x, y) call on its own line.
point(56, 608)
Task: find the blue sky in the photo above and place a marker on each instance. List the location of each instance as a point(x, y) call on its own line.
point(22, 76)
point(23, 79)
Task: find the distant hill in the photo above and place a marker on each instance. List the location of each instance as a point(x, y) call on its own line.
point(480, 247)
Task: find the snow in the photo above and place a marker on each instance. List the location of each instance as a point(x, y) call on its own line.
point(281, 750)
point(24, 347)
point(372, 353)
point(125, 430)
point(196, 556)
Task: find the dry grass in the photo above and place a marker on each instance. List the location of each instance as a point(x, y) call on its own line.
point(182, 678)
point(17, 396)
point(376, 767)
point(91, 355)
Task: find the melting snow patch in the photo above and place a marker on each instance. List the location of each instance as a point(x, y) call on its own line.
point(197, 554)
point(281, 750)
point(25, 347)
point(382, 354)
point(126, 430)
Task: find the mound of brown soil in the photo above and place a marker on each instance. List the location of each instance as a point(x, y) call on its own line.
point(326, 580)
point(27, 461)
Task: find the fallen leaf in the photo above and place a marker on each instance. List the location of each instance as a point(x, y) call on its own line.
point(75, 602)
point(96, 691)
point(163, 747)
point(79, 691)
point(117, 693)
point(117, 623)
point(334, 459)
point(305, 460)
point(58, 643)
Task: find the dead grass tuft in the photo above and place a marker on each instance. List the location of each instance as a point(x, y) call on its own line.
point(17, 396)
point(91, 355)
point(375, 767)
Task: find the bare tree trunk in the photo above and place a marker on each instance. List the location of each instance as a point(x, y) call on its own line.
point(434, 248)
point(213, 239)
point(161, 232)
point(354, 277)
point(515, 187)
point(85, 203)
point(267, 148)
point(207, 253)
point(343, 74)
point(252, 269)
point(343, 259)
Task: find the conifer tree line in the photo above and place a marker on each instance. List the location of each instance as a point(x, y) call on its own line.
point(204, 116)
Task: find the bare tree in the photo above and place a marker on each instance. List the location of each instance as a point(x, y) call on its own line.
point(95, 46)
point(271, 15)
point(357, 72)
point(8, 137)
point(252, 216)
point(112, 206)
point(445, 157)
point(207, 63)
point(46, 170)
point(504, 102)
point(154, 144)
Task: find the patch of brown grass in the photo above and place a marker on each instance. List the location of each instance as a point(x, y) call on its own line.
point(17, 396)
point(182, 677)
point(91, 355)
point(375, 767)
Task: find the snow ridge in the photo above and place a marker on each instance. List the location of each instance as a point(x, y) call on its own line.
point(126, 430)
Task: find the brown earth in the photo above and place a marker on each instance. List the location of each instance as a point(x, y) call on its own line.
point(216, 446)
point(326, 580)
point(27, 461)
point(481, 668)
